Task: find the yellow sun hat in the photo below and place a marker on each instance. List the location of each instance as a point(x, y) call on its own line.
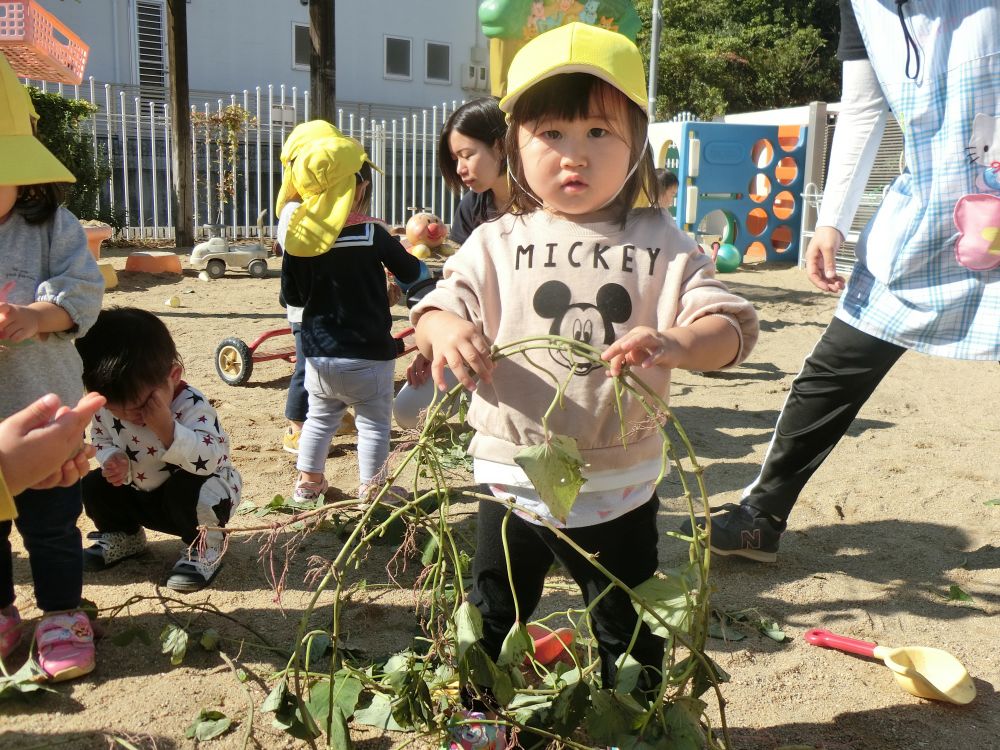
point(23, 158)
point(577, 48)
point(321, 165)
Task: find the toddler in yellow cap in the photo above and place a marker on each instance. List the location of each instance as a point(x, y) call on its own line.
point(334, 269)
point(55, 291)
point(575, 258)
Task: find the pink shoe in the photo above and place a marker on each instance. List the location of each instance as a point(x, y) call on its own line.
point(65, 645)
point(10, 631)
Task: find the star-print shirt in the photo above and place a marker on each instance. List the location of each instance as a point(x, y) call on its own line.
point(200, 444)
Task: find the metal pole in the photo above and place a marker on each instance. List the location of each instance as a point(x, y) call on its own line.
point(654, 59)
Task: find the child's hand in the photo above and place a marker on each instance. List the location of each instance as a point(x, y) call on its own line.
point(38, 443)
point(115, 469)
point(455, 343)
point(394, 291)
point(418, 371)
point(158, 416)
point(71, 472)
point(644, 347)
point(18, 322)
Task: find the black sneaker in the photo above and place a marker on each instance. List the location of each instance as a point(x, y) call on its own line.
point(194, 571)
point(737, 531)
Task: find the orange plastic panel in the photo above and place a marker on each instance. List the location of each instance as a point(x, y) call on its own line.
point(153, 261)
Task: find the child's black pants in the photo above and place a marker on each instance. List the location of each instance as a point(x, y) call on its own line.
point(171, 508)
point(626, 547)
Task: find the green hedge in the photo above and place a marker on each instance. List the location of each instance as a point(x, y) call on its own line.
point(59, 130)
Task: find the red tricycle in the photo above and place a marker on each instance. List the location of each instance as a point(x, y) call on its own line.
point(234, 358)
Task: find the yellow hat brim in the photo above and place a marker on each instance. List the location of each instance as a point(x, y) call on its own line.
point(577, 48)
point(25, 161)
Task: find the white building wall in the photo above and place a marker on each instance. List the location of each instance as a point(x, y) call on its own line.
point(239, 44)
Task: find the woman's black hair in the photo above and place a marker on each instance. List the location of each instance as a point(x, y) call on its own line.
point(126, 352)
point(38, 203)
point(481, 119)
point(573, 96)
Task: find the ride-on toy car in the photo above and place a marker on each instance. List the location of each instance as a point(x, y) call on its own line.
point(216, 255)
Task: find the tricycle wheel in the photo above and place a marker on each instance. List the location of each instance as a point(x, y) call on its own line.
point(257, 269)
point(215, 268)
point(233, 361)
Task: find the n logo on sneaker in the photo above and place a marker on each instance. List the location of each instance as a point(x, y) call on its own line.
point(750, 539)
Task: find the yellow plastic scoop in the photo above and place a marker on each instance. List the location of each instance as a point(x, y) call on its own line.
point(924, 672)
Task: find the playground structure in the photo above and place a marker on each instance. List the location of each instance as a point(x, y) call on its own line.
point(741, 184)
point(759, 177)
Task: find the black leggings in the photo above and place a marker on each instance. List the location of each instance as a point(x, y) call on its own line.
point(626, 547)
point(836, 380)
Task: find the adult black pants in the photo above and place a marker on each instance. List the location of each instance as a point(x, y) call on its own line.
point(836, 380)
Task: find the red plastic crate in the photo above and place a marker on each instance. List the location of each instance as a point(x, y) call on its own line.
point(38, 45)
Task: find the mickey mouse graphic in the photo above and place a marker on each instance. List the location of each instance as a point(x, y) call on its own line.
point(585, 322)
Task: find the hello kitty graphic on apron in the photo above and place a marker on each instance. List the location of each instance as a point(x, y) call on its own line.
point(977, 216)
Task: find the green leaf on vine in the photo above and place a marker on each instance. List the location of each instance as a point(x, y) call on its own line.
point(174, 641)
point(628, 674)
point(569, 707)
point(468, 627)
point(682, 721)
point(517, 643)
point(343, 697)
point(554, 468)
point(378, 714)
point(608, 717)
point(28, 679)
point(668, 596)
point(207, 725)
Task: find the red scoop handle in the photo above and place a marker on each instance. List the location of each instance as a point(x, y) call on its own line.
point(819, 637)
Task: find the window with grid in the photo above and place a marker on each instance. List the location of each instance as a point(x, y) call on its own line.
point(150, 50)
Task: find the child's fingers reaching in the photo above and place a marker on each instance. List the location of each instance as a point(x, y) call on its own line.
point(476, 353)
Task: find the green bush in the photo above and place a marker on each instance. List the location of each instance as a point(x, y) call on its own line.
point(59, 129)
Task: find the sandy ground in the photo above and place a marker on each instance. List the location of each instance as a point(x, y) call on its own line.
point(893, 520)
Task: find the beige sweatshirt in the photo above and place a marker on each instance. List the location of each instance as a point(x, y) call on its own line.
point(530, 275)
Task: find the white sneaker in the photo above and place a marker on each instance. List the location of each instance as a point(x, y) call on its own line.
point(111, 547)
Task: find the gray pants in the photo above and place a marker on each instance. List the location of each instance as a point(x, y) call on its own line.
point(334, 383)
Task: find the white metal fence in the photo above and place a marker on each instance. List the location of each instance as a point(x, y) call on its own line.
point(131, 130)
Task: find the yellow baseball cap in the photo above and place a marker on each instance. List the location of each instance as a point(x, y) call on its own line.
point(23, 158)
point(320, 166)
point(577, 48)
